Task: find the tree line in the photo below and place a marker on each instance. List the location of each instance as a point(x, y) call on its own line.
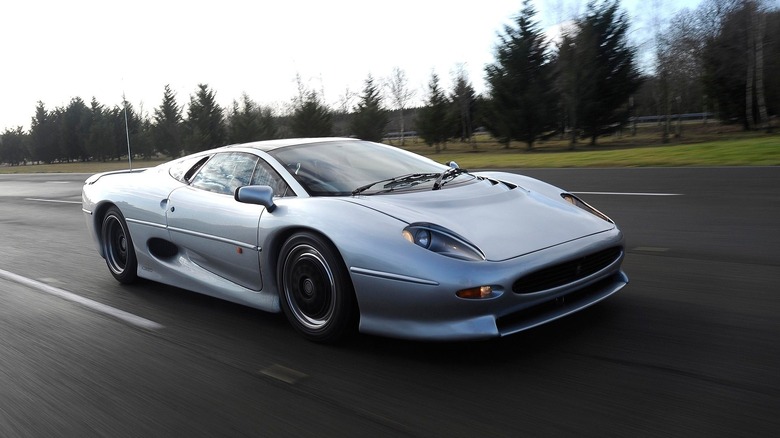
point(721, 58)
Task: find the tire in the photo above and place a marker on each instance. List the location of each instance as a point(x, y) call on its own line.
point(315, 291)
point(118, 247)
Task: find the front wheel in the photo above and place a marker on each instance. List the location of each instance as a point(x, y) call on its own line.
point(316, 293)
point(118, 247)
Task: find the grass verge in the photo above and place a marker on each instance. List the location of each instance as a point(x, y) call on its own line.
point(742, 152)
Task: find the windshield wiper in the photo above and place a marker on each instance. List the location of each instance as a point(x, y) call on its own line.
point(449, 173)
point(395, 181)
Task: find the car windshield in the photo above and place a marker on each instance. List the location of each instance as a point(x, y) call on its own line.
point(338, 168)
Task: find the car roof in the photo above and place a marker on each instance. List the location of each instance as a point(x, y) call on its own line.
point(269, 145)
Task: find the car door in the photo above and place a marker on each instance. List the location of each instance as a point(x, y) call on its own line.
point(215, 231)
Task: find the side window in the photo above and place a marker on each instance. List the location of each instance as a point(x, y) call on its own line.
point(265, 175)
point(225, 172)
point(183, 169)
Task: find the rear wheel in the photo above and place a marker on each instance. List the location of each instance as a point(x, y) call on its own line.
point(315, 291)
point(118, 247)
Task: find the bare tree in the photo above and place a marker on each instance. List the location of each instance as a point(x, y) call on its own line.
point(679, 67)
point(345, 100)
point(710, 15)
point(734, 59)
point(400, 95)
point(750, 10)
point(760, 29)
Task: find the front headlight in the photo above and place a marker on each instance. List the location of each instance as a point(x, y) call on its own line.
point(419, 236)
point(573, 200)
point(441, 241)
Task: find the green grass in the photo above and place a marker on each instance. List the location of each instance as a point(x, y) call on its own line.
point(739, 152)
point(79, 167)
point(700, 145)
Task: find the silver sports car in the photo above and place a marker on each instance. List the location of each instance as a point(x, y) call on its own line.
point(344, 235)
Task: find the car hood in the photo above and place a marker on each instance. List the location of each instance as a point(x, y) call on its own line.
point(503, 221)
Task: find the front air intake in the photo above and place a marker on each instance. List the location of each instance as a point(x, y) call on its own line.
point(566, 272)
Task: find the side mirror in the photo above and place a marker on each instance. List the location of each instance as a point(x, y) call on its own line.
point(453, 165)
point(259, 195)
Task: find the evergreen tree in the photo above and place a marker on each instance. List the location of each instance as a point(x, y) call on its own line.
point(142, 142)
point(205, 121)
point(267, 127)
point(116, 119)
point(250, 122)
point(101, 140)
point(609, 74)
point(464, 101)
point(74, 130)
point(167, 126)
point(130, 125)
point(571, 84)
point(310, 118)
point(521, 96)
point(370, 118)
point(43, 135)
point(13, 146)
point(432, 119)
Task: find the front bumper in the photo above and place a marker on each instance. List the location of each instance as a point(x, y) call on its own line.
point(412, 307)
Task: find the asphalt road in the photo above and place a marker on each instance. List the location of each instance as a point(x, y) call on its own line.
point(689, 348)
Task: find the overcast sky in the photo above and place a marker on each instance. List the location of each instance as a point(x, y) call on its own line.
point(55, 50)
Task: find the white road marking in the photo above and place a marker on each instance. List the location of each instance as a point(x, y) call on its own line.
point(628, 194)
point(286, 375)
point(650, 249)
point(94, 305)
point(52, 200)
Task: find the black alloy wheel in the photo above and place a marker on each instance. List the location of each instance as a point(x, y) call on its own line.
point(118, 247)
point(315, 290)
